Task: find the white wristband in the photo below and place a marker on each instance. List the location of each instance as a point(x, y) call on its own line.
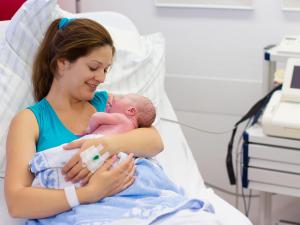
point(71, 196)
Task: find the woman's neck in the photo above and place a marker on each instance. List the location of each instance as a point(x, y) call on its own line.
point(60, 99)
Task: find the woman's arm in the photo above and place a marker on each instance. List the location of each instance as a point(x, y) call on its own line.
point(142, 142)
point(25, 201)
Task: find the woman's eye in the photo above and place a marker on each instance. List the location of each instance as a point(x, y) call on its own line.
point(92, 69)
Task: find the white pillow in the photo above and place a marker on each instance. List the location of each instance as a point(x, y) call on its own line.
point(3, 25)
point(138, 65)
point(141, 73)
point(16, 54)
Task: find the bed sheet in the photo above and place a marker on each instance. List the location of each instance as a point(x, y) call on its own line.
point(179, 164)
point(225, 212)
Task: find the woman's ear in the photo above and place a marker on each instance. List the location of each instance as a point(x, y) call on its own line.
point(62, 64)
point(131, 111)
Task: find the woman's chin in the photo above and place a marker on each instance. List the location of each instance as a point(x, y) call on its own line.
point(88, 96)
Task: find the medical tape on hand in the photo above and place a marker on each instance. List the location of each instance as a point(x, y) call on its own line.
point(92, 159)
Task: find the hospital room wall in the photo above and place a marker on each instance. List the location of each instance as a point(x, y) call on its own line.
point(214, 64)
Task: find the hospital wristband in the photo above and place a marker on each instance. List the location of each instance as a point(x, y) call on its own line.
point(71, 196)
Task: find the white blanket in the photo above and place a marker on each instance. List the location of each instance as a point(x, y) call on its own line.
point(152, 199)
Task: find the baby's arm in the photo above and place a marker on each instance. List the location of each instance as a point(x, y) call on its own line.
point(102, 118)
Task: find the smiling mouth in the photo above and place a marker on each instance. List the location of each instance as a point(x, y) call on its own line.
point(93, 86)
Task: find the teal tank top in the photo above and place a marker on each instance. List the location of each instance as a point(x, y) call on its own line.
point(52, 131)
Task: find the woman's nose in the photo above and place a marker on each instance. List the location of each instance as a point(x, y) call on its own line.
point(100, 76)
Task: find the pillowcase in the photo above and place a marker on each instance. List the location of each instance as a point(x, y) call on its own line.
point(16, 55)
point(138, 65)
point(139, 73)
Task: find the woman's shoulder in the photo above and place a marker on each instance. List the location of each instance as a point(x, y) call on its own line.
point(25, 115)
point(25, 120)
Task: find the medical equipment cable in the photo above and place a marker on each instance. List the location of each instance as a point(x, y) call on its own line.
point(239, 160)
point(237, 149)
point(227, 192)
point(250, 196)
point(196, 128)
point(210, 132)
point(246, 208)
point(253, 121)
point(237, 169)
point(240, 155)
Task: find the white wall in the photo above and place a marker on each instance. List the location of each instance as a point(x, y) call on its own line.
point(209, 42)
point(68, 5)
point(214, 60)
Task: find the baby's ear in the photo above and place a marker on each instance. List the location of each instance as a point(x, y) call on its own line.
point(131, 111)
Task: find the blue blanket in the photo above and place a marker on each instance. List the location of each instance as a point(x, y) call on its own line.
point(150, 198)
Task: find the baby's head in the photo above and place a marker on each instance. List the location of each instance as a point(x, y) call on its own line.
point(134, 105)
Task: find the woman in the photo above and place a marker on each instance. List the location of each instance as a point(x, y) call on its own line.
point(72, 61)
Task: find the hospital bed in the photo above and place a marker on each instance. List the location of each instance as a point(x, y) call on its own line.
point(177, 159)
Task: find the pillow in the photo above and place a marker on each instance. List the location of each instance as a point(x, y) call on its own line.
point(16, 54)
point(141, 73)
point(138, 65)
point(3, 25)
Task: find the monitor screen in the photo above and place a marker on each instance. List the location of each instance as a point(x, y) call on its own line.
point(296, 78)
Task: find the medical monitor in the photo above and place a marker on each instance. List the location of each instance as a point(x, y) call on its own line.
point(295, 82)
point(291, 82)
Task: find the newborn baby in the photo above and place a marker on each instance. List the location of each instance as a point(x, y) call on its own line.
point(123, 113)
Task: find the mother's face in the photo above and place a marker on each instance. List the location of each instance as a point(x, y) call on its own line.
point(82, 77)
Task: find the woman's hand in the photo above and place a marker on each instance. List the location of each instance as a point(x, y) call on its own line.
point(74, 170)
point(107, 181)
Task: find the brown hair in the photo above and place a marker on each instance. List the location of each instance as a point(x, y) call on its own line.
point(76, 39)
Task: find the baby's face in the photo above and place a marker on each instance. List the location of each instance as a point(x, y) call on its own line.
point(121, 103)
